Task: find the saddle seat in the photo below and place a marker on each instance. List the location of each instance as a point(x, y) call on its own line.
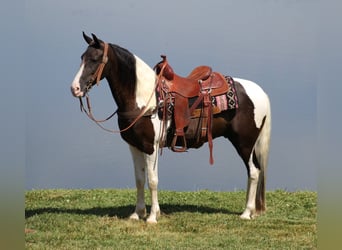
point(202, 78)
point(200, 73)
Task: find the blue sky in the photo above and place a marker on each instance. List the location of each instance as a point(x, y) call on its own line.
point(274, 43)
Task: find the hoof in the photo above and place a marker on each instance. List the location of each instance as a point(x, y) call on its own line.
point(138, 214)
point(248, 215)
point(245, 216)
point(151, 221)
point(134, 216)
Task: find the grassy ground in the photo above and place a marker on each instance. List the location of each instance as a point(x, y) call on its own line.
point(97, 219)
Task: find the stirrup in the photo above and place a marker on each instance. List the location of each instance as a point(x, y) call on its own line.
point(181, 148)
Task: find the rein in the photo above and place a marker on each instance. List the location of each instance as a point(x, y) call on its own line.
point(130, 114)
point(90, 115)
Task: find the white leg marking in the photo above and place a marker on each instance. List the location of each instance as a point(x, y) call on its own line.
point(152, 173)
point(252, 185)
point(142, 163)
point(139, 171)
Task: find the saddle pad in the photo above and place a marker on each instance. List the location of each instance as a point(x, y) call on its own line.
point(228, 100)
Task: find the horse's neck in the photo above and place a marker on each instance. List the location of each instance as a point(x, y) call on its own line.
point(144, 90)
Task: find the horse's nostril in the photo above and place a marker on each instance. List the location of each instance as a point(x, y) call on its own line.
point(75, 88)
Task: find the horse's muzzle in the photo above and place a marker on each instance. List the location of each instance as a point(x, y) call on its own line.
point(76, 91)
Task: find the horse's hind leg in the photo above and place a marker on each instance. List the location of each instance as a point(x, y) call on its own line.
point(256, 159)
point(252, 186)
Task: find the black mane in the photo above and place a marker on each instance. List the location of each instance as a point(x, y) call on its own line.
point(126, 67)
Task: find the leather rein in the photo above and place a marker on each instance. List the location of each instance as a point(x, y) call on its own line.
point(96, 77)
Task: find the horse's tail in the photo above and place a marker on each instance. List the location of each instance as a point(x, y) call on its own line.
point(261, 151)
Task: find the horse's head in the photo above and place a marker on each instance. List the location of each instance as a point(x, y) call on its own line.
point(93, 63)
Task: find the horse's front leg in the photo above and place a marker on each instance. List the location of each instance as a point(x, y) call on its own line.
point(140, 177)
point(152, 171)
point(143, 162)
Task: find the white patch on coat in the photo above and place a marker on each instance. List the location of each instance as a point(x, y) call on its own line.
point(146, 80)
point(259, 99)
point(146, 93)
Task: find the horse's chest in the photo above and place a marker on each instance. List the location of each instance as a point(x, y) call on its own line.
point(141, 135)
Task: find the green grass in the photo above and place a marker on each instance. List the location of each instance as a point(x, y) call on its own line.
point(97, 219)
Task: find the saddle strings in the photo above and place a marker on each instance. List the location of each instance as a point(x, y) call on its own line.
point(163, 97)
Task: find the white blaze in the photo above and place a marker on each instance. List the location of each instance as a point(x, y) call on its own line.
point(76, 86)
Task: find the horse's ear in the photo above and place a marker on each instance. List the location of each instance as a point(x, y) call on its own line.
point(96, 40)
point(87, 38)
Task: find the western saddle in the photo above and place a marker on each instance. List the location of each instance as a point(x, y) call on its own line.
point(199, 87)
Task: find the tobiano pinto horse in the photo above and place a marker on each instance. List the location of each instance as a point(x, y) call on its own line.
point(134, 88)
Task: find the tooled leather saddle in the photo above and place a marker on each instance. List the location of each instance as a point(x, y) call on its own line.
point(185, 98)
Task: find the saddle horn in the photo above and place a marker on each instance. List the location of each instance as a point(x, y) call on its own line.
point(165, 69)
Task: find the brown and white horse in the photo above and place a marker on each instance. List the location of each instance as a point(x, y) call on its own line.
point(133, 86)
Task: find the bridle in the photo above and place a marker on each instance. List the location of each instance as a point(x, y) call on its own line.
point(96, 77)
point(98, 73)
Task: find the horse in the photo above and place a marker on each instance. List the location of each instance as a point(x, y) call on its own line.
point(133, 86)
